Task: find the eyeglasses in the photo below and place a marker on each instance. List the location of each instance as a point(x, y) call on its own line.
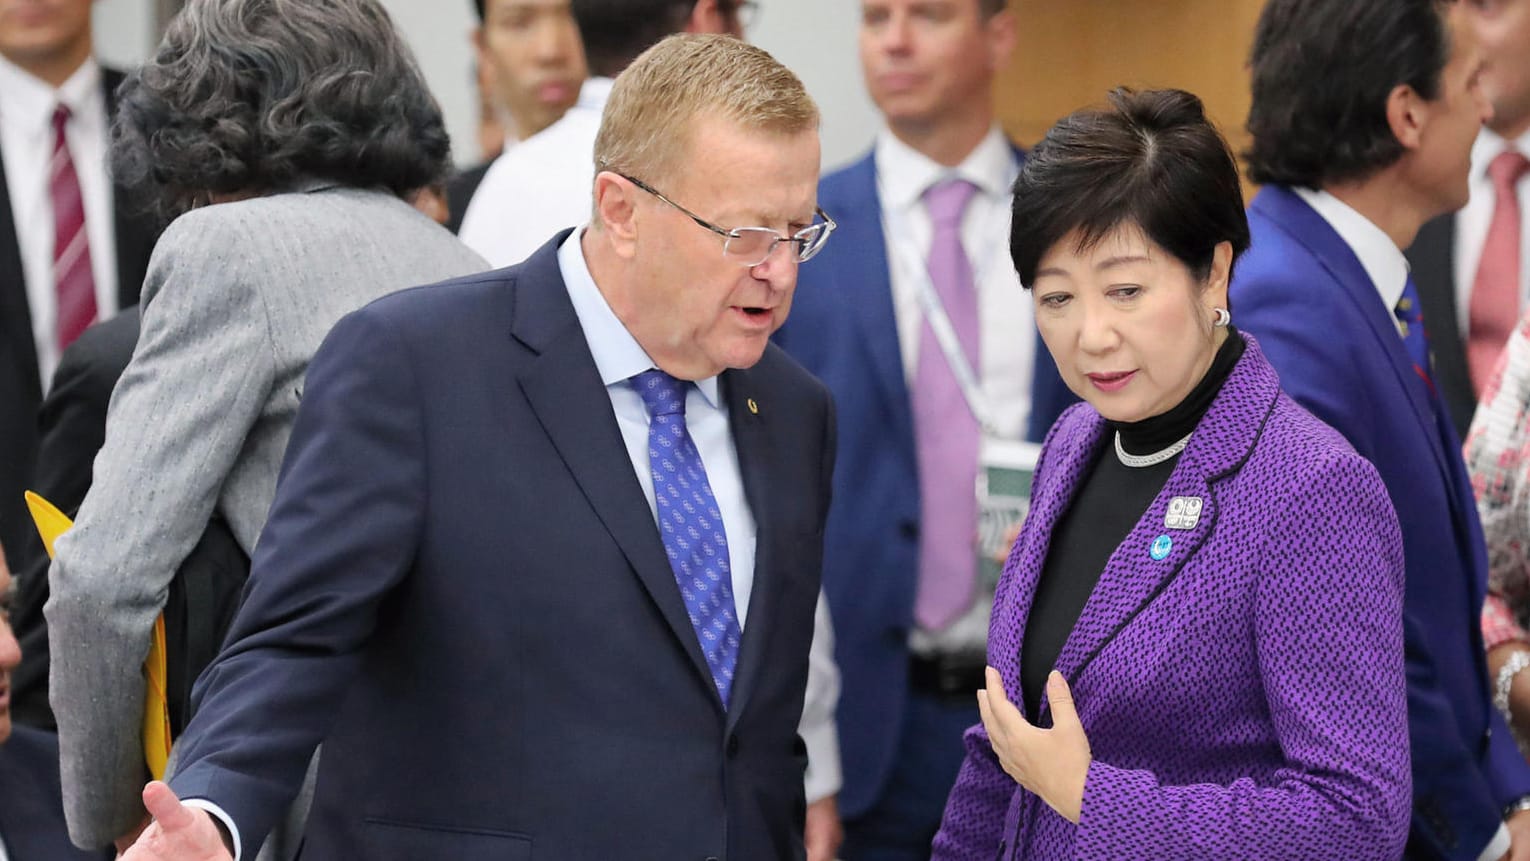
point(751, 246)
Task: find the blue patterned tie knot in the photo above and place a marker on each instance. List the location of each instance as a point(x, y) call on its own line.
point(691, 526)
point(663, 395)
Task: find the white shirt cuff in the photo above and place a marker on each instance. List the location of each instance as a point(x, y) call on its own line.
point(222, 815)
point(1496, 848)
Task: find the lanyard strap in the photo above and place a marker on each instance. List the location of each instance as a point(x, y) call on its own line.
point(934, 312)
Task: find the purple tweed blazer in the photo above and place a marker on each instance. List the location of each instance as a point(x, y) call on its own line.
point(1244, 696)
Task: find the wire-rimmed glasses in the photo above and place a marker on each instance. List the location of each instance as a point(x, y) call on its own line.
point(751, 246)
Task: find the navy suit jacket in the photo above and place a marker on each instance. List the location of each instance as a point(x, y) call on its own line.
point(842, 329)
point(462, 591)
point(1302, 292)
point(31, 803)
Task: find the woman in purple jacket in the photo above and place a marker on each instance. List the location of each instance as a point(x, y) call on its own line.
point(1196, 646)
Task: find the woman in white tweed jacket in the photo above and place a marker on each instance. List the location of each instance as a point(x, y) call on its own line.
point(281, 136)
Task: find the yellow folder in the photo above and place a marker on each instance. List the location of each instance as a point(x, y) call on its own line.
point(51, 523)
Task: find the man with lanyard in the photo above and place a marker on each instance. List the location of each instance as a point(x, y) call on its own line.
point(918, 326)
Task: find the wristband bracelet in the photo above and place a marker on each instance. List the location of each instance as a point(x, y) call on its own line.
point(1505, 680)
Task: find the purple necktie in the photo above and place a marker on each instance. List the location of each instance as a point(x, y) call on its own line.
point(946, 433)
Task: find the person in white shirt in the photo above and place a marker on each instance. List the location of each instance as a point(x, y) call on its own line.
point(531, 65)
point(911, 647)
point(1473, 292)
point(55, 104)
point(540, 186)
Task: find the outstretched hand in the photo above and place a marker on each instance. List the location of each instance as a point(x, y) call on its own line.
point(178, 833)
point(1052, 763)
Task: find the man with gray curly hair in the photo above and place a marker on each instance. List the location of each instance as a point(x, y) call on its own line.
point(542, 566)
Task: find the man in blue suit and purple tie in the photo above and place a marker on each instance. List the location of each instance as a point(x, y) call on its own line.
point(924, 222)
point(1363, 118)
point(543, 561)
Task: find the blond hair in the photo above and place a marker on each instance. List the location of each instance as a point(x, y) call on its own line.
point(654, 103)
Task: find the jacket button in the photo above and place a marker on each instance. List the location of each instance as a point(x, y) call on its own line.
point(732, 746)
point(909, 529)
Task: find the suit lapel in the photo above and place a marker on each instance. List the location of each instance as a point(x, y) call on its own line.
point(1071, 451)
point(755, 454)
point(865, 274)
point(564, 389)
point(15, 313)
point(1291, 214)
point(1132, 577)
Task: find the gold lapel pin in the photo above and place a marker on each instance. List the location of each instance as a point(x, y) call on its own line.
point(754, 407)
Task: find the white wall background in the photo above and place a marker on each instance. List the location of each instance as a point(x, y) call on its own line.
point(815, 38)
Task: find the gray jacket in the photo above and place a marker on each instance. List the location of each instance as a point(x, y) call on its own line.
point(237, 299)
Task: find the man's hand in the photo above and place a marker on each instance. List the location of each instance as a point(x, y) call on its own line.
point(824, 832)
point(127, 840)
point(1053, 763)
point(178, 833)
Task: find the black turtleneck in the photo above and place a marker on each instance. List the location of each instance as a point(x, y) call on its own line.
point(1104, 511)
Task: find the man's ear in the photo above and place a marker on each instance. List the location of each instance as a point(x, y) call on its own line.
point(616, 212)
point(708, 16)
point(1407, 114)
point(1003, 34)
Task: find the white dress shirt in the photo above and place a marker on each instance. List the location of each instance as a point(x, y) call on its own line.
point(1379, 256)
point(618, 357)
point(1384, 262)
point(1474, 219)
point(26, 149)
point(542, 185)
point(1007, 331)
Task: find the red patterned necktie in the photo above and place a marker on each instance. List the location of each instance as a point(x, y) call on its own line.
point(72, 277)
point(1494, 306)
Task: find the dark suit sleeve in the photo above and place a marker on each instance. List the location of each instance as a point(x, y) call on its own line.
point(1449, 784)
point(342, 534)
point(72, 426)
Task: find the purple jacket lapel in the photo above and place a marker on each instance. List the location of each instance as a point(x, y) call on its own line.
point(1132, 578)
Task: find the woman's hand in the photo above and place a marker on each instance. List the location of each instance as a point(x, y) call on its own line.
point(1053, 763)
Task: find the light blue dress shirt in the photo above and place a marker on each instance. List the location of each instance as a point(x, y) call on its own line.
point(618, 357)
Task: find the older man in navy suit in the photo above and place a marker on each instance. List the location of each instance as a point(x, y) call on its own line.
point(1363, 118)
point(543, 562)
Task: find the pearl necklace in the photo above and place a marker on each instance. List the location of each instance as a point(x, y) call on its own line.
point(1139, 461)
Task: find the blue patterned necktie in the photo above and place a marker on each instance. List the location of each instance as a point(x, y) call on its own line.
point(1410, 324)
point(691, 525)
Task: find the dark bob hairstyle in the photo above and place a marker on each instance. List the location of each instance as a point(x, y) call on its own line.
point(251, 97)
point(1150, 159)
point(1322, 73)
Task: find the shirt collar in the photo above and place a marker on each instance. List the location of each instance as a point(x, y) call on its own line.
point(30, 100)
point(618, 355)
point(906, 174)
point(594, 93)
point(1489, 145)
point(1382, 260)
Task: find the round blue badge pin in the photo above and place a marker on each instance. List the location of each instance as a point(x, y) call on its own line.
point(1161, 547)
